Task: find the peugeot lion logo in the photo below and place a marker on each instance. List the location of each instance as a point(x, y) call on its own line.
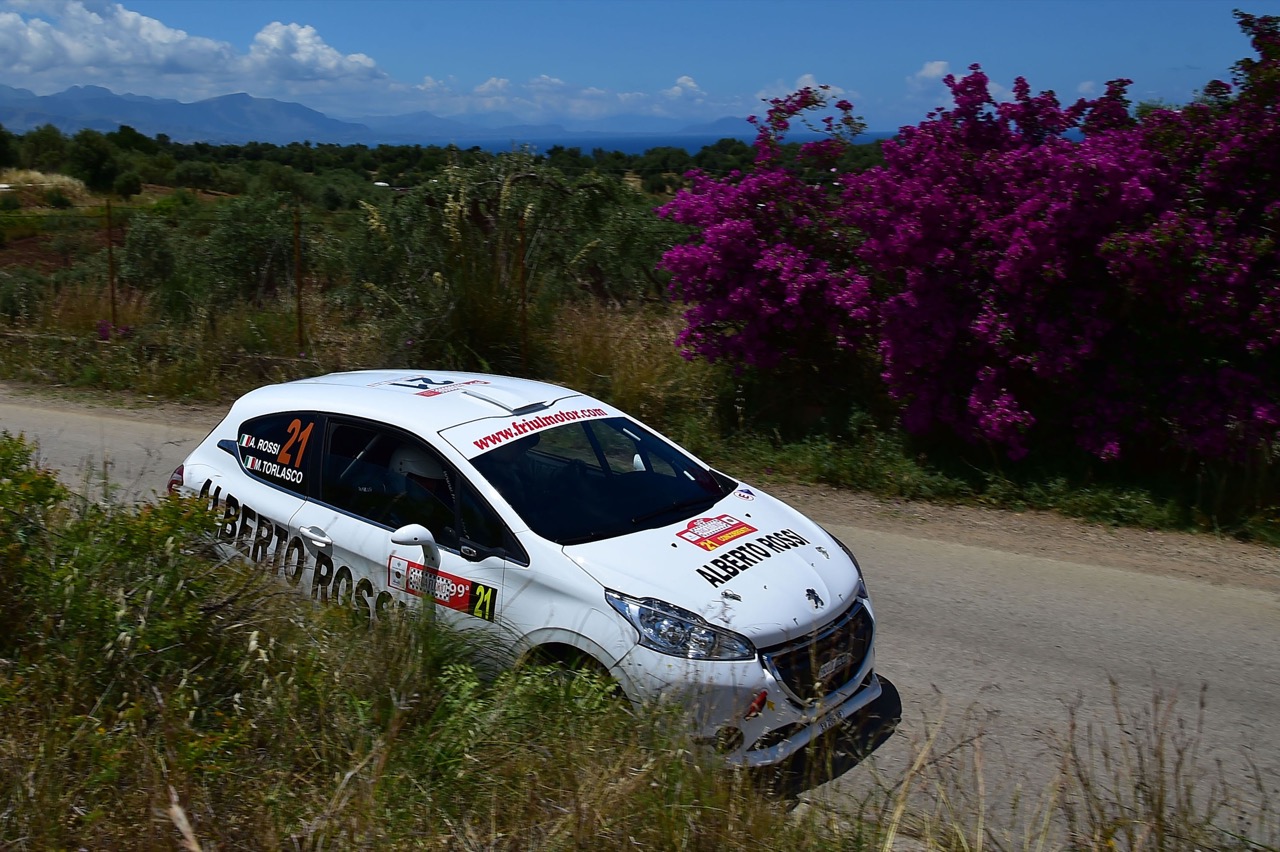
point(812, 594)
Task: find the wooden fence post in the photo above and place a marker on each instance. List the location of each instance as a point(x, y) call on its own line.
point(297, 271)
point(111, 272)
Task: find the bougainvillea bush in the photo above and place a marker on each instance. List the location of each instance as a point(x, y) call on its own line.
point(1028, 275)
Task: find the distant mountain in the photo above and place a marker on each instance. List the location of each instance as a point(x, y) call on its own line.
point(227, 119)
point(734, 127)
point(276, 121)
point(626, 123)
point(413, 123)
point(239, 118)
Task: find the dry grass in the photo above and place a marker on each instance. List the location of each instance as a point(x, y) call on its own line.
point(1133, 779)
point(628, 356)
point(32, 187)
point(81, 308)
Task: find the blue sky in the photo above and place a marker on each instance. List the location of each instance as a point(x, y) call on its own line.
point(581, 63)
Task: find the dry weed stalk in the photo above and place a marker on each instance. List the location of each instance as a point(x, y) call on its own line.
point(178, 816)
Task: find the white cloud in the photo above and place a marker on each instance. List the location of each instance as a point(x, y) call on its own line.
point(808, 81)
point(685, 87)
point(293, 52)
point(432, 85)
point(74, 41)
point(49, 45)
point(545, 83)
point(780, 89)
point(493, 86)
point(930, 72)
point(1087, 89)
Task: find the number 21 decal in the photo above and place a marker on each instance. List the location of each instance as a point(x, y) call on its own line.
point(298, 435)
point(482, 601)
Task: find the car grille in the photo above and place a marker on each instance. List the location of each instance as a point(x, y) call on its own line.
point(825, 660)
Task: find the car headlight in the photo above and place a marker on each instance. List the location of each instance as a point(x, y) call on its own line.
point(861, 589)
point(669, 629)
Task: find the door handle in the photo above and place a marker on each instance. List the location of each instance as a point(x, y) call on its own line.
point(317, 535)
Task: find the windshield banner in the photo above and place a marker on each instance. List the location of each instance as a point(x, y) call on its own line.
point(480, 436)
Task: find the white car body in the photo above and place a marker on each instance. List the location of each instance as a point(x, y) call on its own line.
point(735, 603)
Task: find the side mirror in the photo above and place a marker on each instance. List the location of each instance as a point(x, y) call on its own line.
point(416, 534)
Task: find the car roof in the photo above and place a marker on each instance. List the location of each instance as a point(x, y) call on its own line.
point(422, 401)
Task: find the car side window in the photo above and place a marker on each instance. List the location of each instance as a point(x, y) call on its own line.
point(481, 526)
point(390, 479)
point(279, 449)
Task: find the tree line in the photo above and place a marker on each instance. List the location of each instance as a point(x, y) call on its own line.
point(122, 161)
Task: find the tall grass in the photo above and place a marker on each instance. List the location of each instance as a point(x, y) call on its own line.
point(1122, 777)
point(72, 342)
point(153, 694)
point(32, 188)
point(627, 356)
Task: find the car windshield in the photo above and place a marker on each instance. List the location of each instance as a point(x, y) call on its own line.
point(598, 479)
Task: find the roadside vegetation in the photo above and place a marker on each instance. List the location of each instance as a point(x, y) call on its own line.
point(154, 696)
point(1101, 343)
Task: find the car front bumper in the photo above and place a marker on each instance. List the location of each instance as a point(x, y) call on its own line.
point(744, 712)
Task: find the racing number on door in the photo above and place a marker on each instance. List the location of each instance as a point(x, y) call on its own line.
point(297, 435)
point(482, 601)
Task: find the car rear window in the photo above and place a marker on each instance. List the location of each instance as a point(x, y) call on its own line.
point(279, 449)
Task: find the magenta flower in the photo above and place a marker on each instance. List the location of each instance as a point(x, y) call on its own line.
point(1026, 274)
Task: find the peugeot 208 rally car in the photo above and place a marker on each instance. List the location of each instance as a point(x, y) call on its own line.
point(566, 529)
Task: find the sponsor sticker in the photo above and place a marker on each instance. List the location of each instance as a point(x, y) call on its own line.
point(732, 562)
point(270, 545)
point(745, 494)
point(279, 461)
point(456, 593)
point(710, 533)
point(272, 469)
point(480, 436)
point(451, 388)
point(427, 386)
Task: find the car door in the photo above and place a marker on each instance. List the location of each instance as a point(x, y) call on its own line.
point(363, 498)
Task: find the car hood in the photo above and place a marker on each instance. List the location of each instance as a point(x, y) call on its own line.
point(751, 564)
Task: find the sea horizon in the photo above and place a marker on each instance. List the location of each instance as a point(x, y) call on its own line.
point(629, 143)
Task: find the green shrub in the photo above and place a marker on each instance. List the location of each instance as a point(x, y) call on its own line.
point(127, 185)
point(57, 199)
point(22, 293)
point(175, 204)
point(29, 498)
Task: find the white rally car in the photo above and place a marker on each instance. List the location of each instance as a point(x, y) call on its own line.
point(565, 528)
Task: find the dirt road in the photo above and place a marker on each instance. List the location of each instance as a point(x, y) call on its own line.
point(991, 620)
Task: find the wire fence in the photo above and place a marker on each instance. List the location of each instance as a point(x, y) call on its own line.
point(26, 234)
